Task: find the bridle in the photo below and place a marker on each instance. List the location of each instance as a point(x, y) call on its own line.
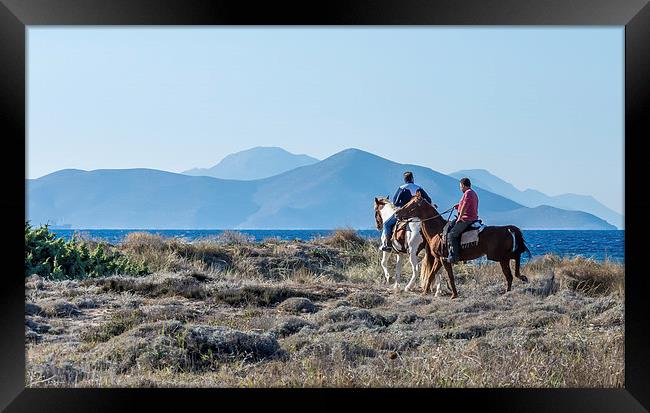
point(450, 210)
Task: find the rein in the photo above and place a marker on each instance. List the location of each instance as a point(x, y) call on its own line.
point(427, 219)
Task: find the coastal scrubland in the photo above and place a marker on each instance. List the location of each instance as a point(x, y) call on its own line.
point(231, 312)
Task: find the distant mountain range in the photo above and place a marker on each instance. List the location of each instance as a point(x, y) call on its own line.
point(335, 192)
point(533, 198)
point(256, 163)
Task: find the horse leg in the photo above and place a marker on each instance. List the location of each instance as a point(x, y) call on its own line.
point(450, 276)
point(517, 273)
point(505, 267)
point(384, 266)
point(425, 266)
point(432, 277)
point(414, 266)
point(438, 281)
point(413, 258)
point(398, 271)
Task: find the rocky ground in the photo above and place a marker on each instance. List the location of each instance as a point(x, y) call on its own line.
point(311, 314)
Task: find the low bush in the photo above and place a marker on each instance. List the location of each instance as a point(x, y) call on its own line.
point(585, 275)
point(119, 323)
point(172, 254)
point(56, 258)
point(591, 277)
point(234, 237)
point(344, 238)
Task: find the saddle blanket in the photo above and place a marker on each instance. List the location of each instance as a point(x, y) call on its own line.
point(470, 238)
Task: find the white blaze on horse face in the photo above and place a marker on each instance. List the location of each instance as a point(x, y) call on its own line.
point(387, 211)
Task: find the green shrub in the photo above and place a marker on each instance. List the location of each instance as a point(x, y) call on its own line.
point(55, 258)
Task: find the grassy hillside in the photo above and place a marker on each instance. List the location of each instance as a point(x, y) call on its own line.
point(231, 312)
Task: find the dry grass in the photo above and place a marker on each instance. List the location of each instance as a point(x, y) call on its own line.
point(344, 238)
point(171, 254)
point(592, 278)
point(288, 313)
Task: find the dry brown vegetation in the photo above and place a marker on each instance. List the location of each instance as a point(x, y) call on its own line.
point(231, 312)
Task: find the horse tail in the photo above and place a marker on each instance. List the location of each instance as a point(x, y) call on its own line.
point(521, 244)
point(426, 262)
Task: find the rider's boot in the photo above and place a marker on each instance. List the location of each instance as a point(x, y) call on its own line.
point(385, 245)
point(454, 251)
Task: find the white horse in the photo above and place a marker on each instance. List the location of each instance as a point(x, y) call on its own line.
point(384, 209)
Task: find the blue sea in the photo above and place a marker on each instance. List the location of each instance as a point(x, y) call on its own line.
point(599, 245)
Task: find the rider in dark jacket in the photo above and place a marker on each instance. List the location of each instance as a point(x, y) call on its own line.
point(403, 194)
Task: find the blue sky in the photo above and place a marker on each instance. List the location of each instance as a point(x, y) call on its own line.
point(539, 107)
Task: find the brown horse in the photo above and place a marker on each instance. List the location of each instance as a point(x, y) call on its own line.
point(499, 243)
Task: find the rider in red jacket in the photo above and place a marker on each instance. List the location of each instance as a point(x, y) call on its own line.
point(467, 213)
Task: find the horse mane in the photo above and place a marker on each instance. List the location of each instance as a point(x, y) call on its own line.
point(435, 211)
point(387, 211)
point(427, 205)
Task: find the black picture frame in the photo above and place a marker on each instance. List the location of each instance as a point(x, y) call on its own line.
point(17, 15)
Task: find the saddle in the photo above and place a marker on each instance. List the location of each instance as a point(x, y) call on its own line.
point(469, 237)
point(399, 234)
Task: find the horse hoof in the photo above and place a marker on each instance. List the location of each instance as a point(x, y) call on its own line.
point(524, 278)
point(454, 296)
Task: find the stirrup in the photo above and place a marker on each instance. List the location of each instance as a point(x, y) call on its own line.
point(452, 259)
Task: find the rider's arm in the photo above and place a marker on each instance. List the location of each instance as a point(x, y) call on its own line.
point(461, 210)
point(460, 213)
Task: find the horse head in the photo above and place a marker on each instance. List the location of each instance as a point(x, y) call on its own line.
point(415, 208)
point(379, 205)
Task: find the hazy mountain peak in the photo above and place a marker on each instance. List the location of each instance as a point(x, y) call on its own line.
point(356, 155)
point(62, 172)
point(353, 152)
point(254, 163)
point(263, 150)
point(475, 171)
